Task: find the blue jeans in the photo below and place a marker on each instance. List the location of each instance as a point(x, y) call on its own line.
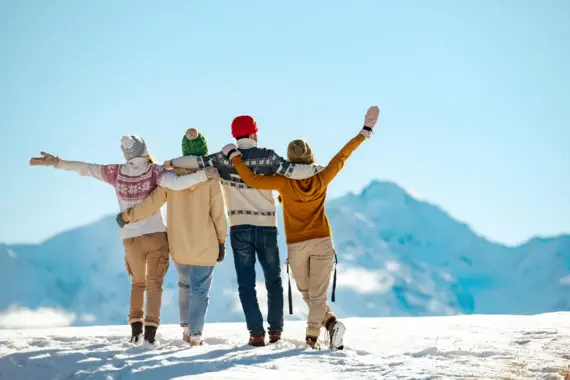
point(246, 241)
point(193, 295)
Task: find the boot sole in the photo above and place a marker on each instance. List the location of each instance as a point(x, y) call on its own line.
point(337, 338)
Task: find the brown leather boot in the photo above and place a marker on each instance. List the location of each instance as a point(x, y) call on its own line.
point(274, 336)
point(256, 340)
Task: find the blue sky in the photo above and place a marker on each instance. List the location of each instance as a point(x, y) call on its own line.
point(474, 98)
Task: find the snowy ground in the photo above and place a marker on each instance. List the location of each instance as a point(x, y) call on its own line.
point(482, 347)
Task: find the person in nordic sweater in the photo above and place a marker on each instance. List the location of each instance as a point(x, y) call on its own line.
point(307, 230)
point(145, 242)
point(197, 230)
point(253, 223)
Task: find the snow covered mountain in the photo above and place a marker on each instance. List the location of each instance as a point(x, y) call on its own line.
point(397, 256)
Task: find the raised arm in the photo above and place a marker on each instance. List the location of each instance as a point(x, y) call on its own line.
point(337, 162)
point(217, 211)
point(267, 182)
point(105, 173)
point(147, 207)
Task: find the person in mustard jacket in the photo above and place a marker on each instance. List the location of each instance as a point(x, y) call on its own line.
point(311, 251)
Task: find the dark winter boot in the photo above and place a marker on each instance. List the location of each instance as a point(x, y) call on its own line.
point(336, 331)
point(256, 340)
point(149, 334)
point(312, 342)
point(136, 332)
point(274, 336)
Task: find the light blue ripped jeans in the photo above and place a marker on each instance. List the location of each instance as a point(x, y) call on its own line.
point(193, 295)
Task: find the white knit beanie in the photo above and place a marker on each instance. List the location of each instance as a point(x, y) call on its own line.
point(133, 147)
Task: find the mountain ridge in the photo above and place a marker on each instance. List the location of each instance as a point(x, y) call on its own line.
point(397, 256)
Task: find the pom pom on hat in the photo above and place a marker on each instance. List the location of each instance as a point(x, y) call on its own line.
point(194, 143)
point(300, 152)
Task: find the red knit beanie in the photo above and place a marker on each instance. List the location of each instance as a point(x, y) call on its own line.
point(243, 126)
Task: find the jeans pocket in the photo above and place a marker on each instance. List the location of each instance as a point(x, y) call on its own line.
point(270, 238)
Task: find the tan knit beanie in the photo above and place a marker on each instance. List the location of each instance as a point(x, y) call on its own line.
point(300, 152)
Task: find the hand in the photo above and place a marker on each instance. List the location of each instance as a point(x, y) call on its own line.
point(370, 121)
point(231, 151)
point(168, 165)
point(221, 252)
point(212, 172)
point(122, 219)
point(46, 160)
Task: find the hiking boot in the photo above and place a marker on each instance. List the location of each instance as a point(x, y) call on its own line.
point(274, 336)
point(336, 331)
point(150, 334)
point(196, 341)
point(185, 334)
point(136, 332)
point(256, 340)
point(312, 342)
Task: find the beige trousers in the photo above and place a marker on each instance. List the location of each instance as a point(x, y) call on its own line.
point(147, 261)
point(311, 263)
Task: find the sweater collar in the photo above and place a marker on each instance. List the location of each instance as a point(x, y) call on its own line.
point(246, 143)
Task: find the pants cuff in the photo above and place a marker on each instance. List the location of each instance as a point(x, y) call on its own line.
point(313, 332)
point(151, 324)
point(133, 320)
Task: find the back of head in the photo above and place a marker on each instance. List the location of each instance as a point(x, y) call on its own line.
point(243, 126)
point(299, 152)
point(194, 143)
point(134, 147)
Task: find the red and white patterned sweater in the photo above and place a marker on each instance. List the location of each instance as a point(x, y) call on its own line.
point(133, 182)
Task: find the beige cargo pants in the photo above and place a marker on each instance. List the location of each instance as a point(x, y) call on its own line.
point(311, 264)
point(147, 261)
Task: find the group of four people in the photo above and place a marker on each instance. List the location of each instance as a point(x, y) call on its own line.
point(200, 190)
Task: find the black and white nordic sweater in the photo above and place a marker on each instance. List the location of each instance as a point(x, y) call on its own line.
point(246, 205)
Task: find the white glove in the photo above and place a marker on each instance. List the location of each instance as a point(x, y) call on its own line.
point(370, 121)
point(231, 151)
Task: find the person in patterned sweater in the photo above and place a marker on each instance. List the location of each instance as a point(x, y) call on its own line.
point(145, 242)
point(253, 223)
point(308, 233)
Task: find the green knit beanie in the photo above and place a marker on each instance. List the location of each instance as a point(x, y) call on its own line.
point(194, 143)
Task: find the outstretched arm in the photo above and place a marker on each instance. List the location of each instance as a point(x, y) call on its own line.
point(105, 173)
point(337, 162)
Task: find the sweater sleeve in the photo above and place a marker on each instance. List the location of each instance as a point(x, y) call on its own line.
point(196, 162)
point(265, 182)
point(337, 162)
point(293, 170)
point(172, 181)
point(217, 211)
point(148, 206)
point(105, 173)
